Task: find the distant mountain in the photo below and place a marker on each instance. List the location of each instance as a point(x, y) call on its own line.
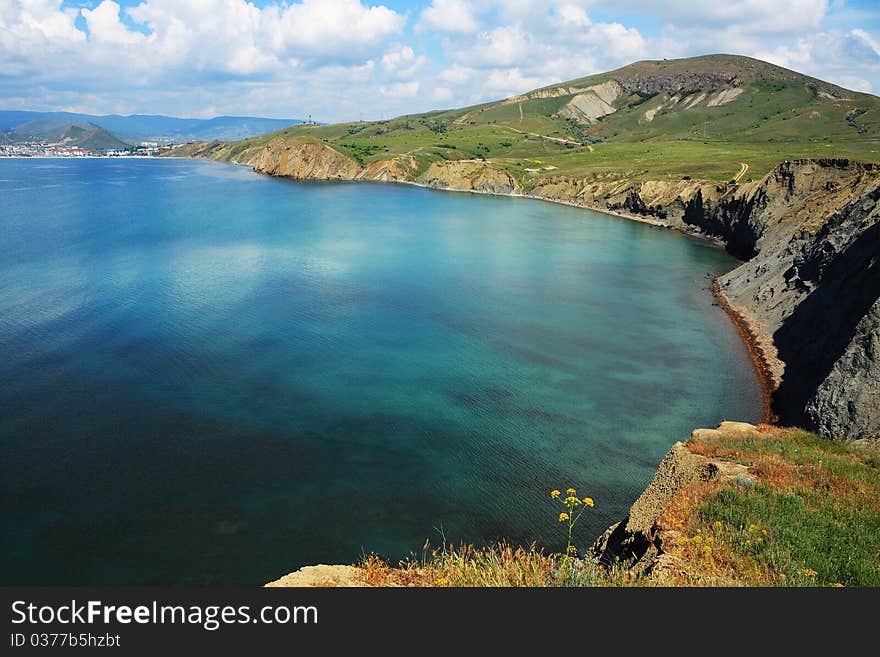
point(144, 127)
point(72, 133)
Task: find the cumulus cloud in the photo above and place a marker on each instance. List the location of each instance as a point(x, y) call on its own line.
point(336, 59)
point(455, 16)
point(402, 61)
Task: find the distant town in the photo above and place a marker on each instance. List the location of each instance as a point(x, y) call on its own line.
point(48, 149)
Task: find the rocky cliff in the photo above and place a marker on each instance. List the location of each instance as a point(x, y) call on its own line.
point(808, 291)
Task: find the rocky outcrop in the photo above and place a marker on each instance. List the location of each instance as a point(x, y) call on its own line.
point(321, 575)
point(468, 175)
point(304, 160)
point(400, 168)
point(813, 285)
point(637, 541)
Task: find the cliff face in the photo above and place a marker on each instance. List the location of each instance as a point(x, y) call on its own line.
point(808, 230)
point(466, 175)
point(813, 286)
point(304, 161)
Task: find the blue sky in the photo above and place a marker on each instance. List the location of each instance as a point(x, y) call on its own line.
point(351, 59)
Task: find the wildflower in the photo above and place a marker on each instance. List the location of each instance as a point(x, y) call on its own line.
point(571, 491)
point(441, 581)
point(682, 540)
point(589, 501)
point(764, 531)
point(809, 572)
point(718, 524)
point(571, 501)
point(707, 549)
point(709, 539)
point(698, 539)
point(759, 540)
point(563, 516)
point(572, 549)
point(837, 585)
point(554, 494)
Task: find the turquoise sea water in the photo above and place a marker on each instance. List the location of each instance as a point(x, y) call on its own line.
point(209, 376)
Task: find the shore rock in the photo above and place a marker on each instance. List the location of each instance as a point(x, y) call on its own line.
point(468, 175)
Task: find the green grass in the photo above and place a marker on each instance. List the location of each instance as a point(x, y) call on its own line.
point(780, 115)
point(810, 517)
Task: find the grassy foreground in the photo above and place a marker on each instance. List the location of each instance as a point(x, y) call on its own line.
point(807, 514)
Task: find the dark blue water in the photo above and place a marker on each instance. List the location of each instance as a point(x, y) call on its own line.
point(208, 376)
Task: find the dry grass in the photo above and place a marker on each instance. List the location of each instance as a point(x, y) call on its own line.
point(808, 514)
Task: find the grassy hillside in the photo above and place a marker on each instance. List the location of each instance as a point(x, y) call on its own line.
point(806, 512)
point(703, 117)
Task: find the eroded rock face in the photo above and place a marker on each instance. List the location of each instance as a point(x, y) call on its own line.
point(304, 160)
point(632, 540)
point(468, 175)
point(636, 542)
point(814, 286)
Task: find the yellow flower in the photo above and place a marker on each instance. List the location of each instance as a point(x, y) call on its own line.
point(589, 501)
point(554, 494)
point(571, 491)
point(709, 539)
point(809, 572)
point(571, 501)
point(682, 540)
point(707, 549)
point(837, 585)
point(441, 581)
point(718, 524)
point(563, 517)
point(698, 539)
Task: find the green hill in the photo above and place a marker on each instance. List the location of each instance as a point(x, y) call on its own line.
point(72, 133)
point(703, 117)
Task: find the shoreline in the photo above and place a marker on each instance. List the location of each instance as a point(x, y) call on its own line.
point(656, 223)
point(749, 334)
point(751, 338)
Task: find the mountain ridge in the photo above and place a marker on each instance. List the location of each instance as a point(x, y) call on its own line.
point(155, 127)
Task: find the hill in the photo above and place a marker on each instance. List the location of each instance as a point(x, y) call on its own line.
point(72, 133)
point(143, 127)
point(703, 117)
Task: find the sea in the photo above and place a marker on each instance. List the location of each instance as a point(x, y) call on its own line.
point(214, 377)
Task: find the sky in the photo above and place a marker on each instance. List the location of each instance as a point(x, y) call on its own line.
point(338, 60)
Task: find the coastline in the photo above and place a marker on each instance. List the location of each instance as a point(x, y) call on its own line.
point(751, 337)
point(749, 333)
point(656, 223)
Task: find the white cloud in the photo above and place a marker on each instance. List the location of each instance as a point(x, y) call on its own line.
point(455, 16)
point(337, 59)
point(402, 61)
point(401, 90)
point(757, 16)
point(502, 46)
point(105, 27)
point(442, 94)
